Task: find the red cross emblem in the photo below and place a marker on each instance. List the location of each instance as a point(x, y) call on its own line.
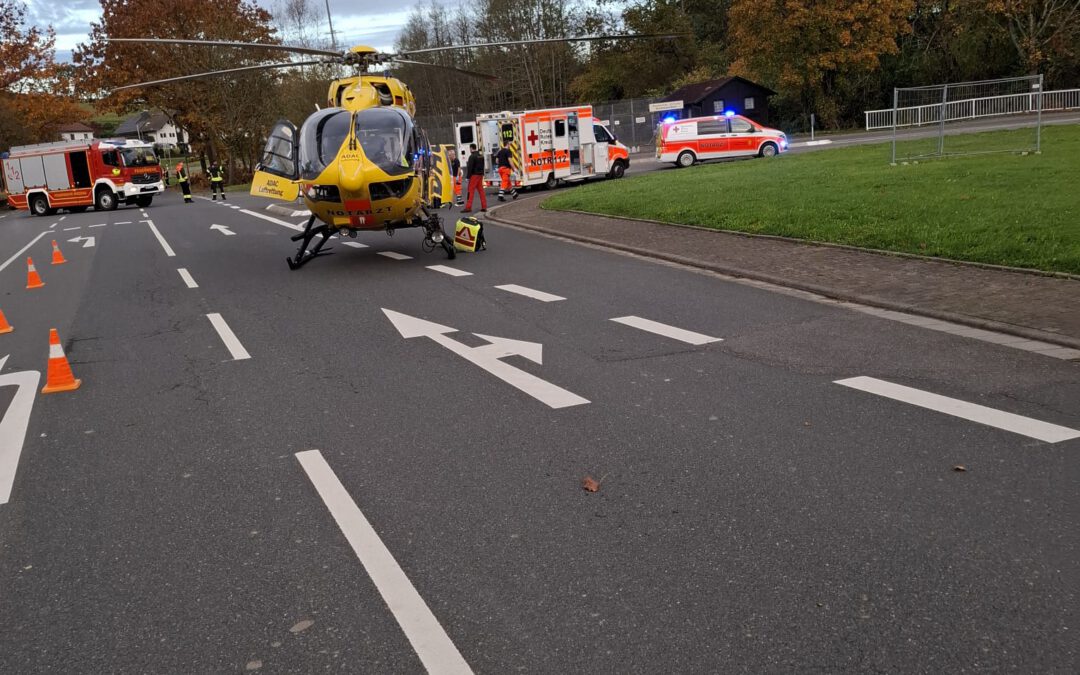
point(532, 137)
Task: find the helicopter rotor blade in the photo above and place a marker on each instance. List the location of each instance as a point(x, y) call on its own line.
point(225, 43)
point(215, 73)
point(507, 43)
point(470, 73)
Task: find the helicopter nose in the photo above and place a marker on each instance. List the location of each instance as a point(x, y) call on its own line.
point(351, 175)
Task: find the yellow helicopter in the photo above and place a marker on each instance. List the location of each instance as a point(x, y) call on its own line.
point(361, 163)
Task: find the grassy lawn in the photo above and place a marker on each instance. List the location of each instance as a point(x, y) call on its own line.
point(1002, 209)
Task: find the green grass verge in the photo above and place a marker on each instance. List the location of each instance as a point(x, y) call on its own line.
point(1002, 209)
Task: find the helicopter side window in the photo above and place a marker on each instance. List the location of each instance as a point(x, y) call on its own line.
point(321, 137)
point(386, 137)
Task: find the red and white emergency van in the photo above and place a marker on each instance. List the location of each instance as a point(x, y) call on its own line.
point(548, 147)
point(75, 175)
point(685, 142)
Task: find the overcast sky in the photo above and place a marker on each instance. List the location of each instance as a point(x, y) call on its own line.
point(368, 22)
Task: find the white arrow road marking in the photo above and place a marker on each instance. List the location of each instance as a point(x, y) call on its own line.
point(393, 255)
point(672, 332)
point(228, 337)
point(223, 229)
point(14, 424)
point(450, 270)
point(186, 276)
point(88, 241)
point(530, 293)
point(1017, 424)
point(161, 240)
point(434, 647)
point(354, 244)
point(21, 251)
point(487, 357)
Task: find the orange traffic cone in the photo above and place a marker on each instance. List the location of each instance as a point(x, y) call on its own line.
point(33, 280)
point(57, 256)
point(5, 327)
point(60, 377)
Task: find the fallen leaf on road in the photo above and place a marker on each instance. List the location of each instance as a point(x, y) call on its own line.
point(590, 484)
point(959, 467)
point(302, 626)
point(253, 665)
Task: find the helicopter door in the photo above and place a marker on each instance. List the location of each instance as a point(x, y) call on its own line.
point(279, 160)
point(574, 143)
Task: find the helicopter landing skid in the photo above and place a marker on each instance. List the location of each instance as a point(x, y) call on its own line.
point(304, 255)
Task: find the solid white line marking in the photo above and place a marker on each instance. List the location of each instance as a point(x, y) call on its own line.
point(354, 244)
point(450, 270)
point(161, 240)
point(21, 251)
point(1017, 424)
point(186, 276)
point(672, 332)
point(98, 225)
point(434, 647)
point(228, 337)
point(70, 229)
point(14, 423)
point(272, 219)
point(393, 255)
point(530, 293)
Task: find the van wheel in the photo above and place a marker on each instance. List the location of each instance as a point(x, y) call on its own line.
point(105, 200)
point(685, 159)
point(39, 205)
point(768, 150)
point(552, 182)
point(617, 171)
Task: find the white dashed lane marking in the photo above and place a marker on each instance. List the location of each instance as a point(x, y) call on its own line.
point(450, 270)
point(1017, 424)
point(98, 225)
point(393, 255)
point(186, 276)
point(680, 334)
point(228, 337)
point(437, 652)
point(354, 244)
point(72, 229)
point(530, 293)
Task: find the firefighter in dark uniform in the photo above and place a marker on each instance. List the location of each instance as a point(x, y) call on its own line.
point(217, 181)
point(182, 181)
point(502, 162)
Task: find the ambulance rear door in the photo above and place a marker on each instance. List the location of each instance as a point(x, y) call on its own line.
point(464, 136)
point(560, 141)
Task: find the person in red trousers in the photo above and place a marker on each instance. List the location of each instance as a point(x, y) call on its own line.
point(474, 173)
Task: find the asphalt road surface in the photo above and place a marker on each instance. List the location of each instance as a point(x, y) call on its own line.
point(371, 465)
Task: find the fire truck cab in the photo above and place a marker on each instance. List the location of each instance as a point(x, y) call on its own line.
point(547, 147)
point(75, 175)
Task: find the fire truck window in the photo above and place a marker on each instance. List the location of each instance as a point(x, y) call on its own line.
point(560, 128)
point(79, 170)
point(465, 135)
point(110, 158)
point(139, 157)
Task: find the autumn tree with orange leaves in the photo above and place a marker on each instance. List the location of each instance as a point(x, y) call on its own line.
point(34, 90)
point(807, 50)
point(1044, 32)
point(226, 116)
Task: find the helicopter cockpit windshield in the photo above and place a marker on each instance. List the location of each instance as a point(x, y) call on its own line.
point(321, 137)
point(387, 138)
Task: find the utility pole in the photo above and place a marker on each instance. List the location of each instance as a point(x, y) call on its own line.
point(333, 40)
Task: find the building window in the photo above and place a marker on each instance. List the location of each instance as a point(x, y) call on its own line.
point(748, 104)
point(718, 106)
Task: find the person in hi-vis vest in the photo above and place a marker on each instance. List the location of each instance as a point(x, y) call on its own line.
point(182, 181)
point(217, 181)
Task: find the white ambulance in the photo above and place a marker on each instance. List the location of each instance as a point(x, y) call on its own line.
point(548, 147)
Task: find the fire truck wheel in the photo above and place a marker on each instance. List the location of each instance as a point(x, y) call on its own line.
point(39, 206)
point(552, 182)
point(685, 159)
point(105, 200)
point(143, 202)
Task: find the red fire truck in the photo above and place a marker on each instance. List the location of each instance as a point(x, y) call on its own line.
point(75, 175)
